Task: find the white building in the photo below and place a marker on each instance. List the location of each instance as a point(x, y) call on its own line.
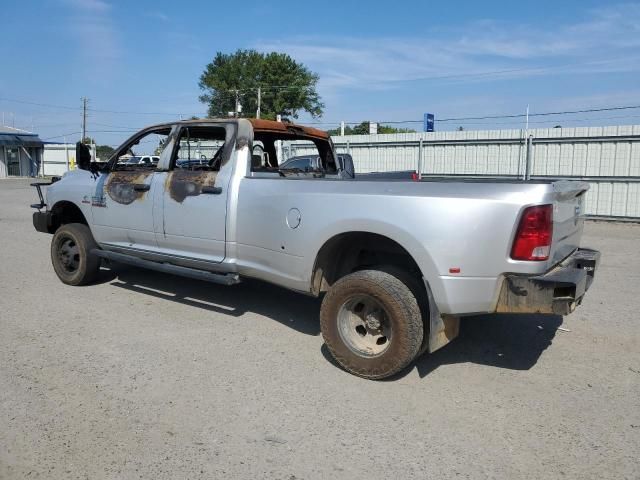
point(59, 158)
point(21, 152)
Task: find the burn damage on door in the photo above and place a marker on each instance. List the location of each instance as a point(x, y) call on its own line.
point(121, 186)
point(188, 183)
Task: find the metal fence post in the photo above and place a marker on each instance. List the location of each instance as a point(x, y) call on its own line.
point(420, 160)
point(348, 147)
point(66, 152)
point(527, 166)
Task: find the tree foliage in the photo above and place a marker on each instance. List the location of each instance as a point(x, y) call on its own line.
point(103, 152)
point(363, 129)
point(287, 87)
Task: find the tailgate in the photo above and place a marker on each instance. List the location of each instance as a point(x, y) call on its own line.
point(568, 218)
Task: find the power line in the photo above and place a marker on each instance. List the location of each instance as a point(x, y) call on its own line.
point(285, 87)
point(116, 126)
point(126, 129)
point(63, 135)
point(121, 112)
point(94, 131)
point(48, 105)
point(540, 122)
point(68, 107)
point(543, 114)
point(36, 126)
point(492, 117)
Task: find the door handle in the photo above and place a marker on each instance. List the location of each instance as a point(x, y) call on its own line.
point(141, 187)
point(212, 190)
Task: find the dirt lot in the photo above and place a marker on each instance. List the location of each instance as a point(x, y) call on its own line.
point(153, 376)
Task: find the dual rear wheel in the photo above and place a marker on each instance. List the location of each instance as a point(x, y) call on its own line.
point(372, 322)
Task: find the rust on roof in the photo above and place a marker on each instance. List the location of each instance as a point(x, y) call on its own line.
point(274, 126)
point(258, 124)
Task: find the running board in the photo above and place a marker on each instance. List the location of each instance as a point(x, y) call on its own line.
point(221, 278)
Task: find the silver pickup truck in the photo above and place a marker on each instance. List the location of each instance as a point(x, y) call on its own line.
point(397, 262)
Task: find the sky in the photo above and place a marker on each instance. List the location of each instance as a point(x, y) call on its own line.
point(139, 62)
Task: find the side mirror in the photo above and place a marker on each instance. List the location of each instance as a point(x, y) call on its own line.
point(345, 166)
point(83, 156)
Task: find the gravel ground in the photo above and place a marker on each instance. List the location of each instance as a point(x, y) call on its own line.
point(146, 375)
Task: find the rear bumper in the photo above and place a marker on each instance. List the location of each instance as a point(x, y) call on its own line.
point(558, 291)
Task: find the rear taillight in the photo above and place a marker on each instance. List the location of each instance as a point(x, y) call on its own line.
point(533, 238)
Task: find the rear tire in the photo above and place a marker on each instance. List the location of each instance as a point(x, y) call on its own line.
point(71, 255)
point(414, 283)
point(371, 323)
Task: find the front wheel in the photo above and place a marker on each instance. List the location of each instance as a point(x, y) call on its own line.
point(371, 323)
point(71, 254)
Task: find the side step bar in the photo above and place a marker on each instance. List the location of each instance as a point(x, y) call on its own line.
point(221, 278)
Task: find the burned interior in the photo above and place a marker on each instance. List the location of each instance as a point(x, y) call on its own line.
point(274, 143)
point(133, 163)
point(142, 152)
point(199, 153)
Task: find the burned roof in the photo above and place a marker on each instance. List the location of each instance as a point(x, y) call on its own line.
point(274, 126)
point(258, 125)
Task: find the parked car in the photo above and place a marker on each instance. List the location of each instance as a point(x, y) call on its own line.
point(192, 162)
point(397, 263)
point(141, 160)
point(310, 163)
point(303, 163)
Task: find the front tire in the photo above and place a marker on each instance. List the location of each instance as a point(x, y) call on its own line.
point(371, 323)
point(71, 254)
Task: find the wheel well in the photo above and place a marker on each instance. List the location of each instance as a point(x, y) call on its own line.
point(66, 212)
point(349, 252)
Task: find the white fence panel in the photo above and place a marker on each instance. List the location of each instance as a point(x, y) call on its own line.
point(607, 157)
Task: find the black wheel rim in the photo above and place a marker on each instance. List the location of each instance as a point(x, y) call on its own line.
point(69, 255)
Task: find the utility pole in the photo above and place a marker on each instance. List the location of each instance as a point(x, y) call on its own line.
point(235, 111)
point(259, 102)
point(84, 118)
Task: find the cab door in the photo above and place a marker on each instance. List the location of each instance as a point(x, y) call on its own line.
point(194, 193)
point(122, 204)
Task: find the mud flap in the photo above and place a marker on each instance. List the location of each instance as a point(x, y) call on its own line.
point(442, 328)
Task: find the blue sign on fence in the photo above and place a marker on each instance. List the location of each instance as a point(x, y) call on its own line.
point(429, 121)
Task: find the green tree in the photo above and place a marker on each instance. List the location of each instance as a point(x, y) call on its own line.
point(103, 152)
point(287, 87)
point(363, 129)
point(388, 129)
